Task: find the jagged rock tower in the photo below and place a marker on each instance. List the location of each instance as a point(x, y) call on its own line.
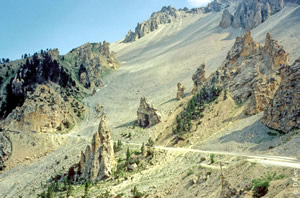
point(147, 115)
point(198, 78)
point(98, 160)
point(180, 91)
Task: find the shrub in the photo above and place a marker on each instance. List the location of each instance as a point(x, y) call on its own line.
point(212, 158)
point(143, 149)
point(136, 193)
point(261, 185)
point(190, 172)
point(150, 142)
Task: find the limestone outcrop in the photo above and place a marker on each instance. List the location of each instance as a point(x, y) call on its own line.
point(5, 149)
point(251, 71)
point(47, 110)
point(168, 15)
point(198, 78)
point(180, 91)
point(284, 111)
point(98, 161)
point(91, 59)
point(147, 115)
point(165, 15)
point(99, 110)
point(251, 13)
point(227, 19)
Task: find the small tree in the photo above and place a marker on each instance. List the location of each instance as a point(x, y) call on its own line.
point(86, 188)
point(212, 158)
point(150, 142)
point(143, 149)
point(128, 154)
point(69, 190)
point(50, 192)
point(56, 186)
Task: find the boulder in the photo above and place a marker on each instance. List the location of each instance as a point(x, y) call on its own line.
point(147, 115)
point(98, 161)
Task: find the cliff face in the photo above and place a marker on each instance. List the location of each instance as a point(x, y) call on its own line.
point(90, 60)
point(251, 71)
point(98, 160)
point(47, 110)
point(251, 13)
point(165, 15)
point(5, 149)
point(284, 111)
point(168, 15)
point(198, 78)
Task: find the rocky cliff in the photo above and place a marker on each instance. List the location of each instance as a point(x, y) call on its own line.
point(284, 111)
point(198, 78)
point(168, 15)
point(98, 161)
point(251, 13)
point(48, 109)
point(5, 149)
point(91, 61)
point(147, 115)
point(252, 71)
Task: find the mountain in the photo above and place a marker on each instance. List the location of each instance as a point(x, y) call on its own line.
point(233, 132)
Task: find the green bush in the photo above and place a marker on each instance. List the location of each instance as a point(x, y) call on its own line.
point(136, 193)
point(150, 142)
point(261, 185)
point(190, 172)
point(212, 158)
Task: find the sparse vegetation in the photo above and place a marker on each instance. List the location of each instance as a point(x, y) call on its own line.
point(194, 109)
point(190, 172)
point(118, 146)
point(136, 193)
point(261, 185)
point(150, 142)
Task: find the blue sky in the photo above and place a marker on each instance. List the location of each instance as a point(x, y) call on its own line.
point(31, 25)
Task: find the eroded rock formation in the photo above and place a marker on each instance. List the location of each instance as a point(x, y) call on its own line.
point(92, 58)
point(227, 19)
point(180, 91)
point(251, 71)
point(284, 111)
point(45, 110)
point(147, 115)
point(251, 13)
point(5, 149)
point(168, 15)
point(198, 78)
point(98, 161)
